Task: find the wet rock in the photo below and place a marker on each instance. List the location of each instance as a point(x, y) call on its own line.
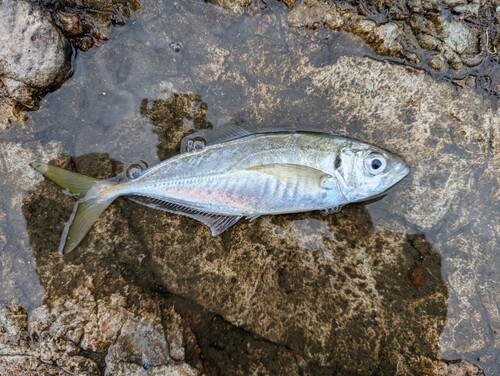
point(472, 253)
point(21, 284)
point(306, 293)
point(289, 3)
point(236, 6)
point(425, 207)
point(312, 13)
point(469, 140)
point(84, 335)
point(471, 9)
point(459, 37)
point(437, 62)
point(311, 294)
point(462, 368)
point(410, 30)
point(173, 117)
point(385, 39)
point(429, 42)
point(86, 22)
point(35, 55)
point(6, 113)
point(334, 283)
point(94, 309)
point(363, 291)
point(423, 116)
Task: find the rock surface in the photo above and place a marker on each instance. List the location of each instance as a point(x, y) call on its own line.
point(421, 33)
point(331, 297)
point(80, 334)
point(447, 138)
point(34, 57)
point(87, 22)
point(36, 39)
point(21, 285)
point(396, 286)
point(237, 6)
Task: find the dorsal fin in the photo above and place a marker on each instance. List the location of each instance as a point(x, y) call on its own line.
point(200, 139)
point(216, 222)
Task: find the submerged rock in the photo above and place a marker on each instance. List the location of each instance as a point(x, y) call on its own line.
point(343, 295)
point(35, 56)
point(383, 288)
point(328, 297)
point(86, 22)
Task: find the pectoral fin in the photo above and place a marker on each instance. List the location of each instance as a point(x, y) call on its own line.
point(307, 178)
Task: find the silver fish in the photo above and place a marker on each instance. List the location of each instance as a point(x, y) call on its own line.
point(223, 176)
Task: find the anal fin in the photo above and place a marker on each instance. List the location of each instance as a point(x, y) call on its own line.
point(252, 218)
point(218, 223)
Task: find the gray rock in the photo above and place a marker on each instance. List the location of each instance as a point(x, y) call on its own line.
point(459, 37)
point(437, 62)
point(34, 57)
point(308, 282)
point(312, 13)
point(21, 283)
point(471, 9)
point(87, 22)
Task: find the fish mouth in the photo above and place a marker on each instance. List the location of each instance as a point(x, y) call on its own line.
point(399, 173)
point(403, 171)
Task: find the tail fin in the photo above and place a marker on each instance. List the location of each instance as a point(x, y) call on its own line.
point(86, 210)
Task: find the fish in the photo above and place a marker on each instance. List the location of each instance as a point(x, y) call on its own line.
point(222, 176)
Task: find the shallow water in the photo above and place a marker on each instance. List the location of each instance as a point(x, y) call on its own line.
point(176, 66)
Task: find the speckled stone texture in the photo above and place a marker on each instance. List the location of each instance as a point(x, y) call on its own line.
point(34, 54)
point(443, 37)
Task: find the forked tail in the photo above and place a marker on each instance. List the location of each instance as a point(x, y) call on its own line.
point(87, 209)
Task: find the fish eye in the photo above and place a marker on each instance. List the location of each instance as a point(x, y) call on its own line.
point(375, 163)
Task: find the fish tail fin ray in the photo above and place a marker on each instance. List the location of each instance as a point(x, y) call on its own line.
point(87, 209)
point(73, 182)
point(85, 214)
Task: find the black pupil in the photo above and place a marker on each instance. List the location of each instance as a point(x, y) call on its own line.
point(338, 161)
point(376, 164)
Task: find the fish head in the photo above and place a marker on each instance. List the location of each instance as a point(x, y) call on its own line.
point(364, 171)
